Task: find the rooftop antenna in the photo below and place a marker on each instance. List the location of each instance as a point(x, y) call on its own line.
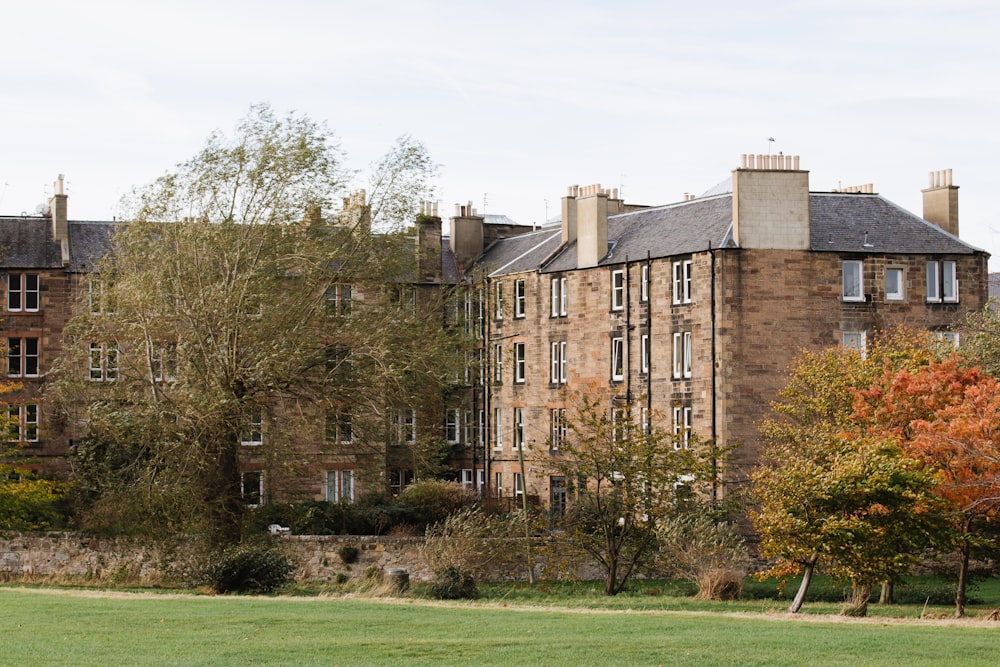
point(770, 141)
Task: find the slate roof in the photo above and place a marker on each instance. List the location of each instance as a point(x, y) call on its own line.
point(88, 243)
point(26, 243)
point(839, 222)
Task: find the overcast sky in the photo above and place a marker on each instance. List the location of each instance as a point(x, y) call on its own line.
point(515, 100)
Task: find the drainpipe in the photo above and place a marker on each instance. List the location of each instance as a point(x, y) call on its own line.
point(628, 333)
point(649, 336)
point(715, 462)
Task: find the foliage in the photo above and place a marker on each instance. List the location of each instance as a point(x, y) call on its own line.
point(28, 502)
point(712, 554)
point(348, 554)
point(250, 567)
point(947, 415)
point(451, 583)
point(219, 286)
point(825, 492)
point(480, 544)
point(430, 501)
point(399, 182)
point(629, 479)
point(981, 339)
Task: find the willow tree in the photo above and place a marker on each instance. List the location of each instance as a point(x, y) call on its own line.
point(228, 303)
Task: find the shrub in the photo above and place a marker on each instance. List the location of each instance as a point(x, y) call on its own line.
point(348, 554)
point(696, 548)
point(251, 567)
point(479, 544)
point(431, 501)
point(452, 583)
point(28, 502)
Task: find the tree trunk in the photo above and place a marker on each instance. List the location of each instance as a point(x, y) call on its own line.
point(807, 575)
point(857, 605)
point(886, 596)
point(963, 577)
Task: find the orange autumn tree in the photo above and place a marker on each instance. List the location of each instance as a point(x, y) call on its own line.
point(947, 415)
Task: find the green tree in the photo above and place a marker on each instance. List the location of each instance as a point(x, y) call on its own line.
point(240, 315)
point(629, 477)
point(824, 492)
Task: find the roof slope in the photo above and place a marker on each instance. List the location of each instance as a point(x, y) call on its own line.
point(839, 222)
point(27, 243)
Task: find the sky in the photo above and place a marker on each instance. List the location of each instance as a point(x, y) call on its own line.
point(514, 100)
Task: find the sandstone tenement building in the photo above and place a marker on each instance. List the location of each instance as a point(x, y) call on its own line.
point(691, 310)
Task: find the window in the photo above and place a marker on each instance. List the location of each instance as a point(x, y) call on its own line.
point(519, 297)
point(339, 426)
point(497, 364)
point(682, 427)
point(644, 419)
point(340, 486)
point(518, 428)
point(103, 362)
point(894, 284)
point(405, 425)
point(22, 292)
point(950, 338)
point(498, 484)
point(498, 301)
point(682, 354)
point(22, 422)
point(399, 480)
point(451, 425)
point(22, 357)
point(406, 299)
point(617, 358)
point(855, 340)
point(468, 428)
point(558, 358)
point(557, 496)
point(558, 297)
point(853, 280)
point(557, 427)
point(163, 362)
point(253, 427)
point(252, 487)
point(942, 282)
point(617, 290)
point(644, 284)
point(497, 428)
point(518, 485)
point(338, 300)
point(519, 362)
point(644, 352)
point(480, 315)
point(466, 478)
point(481, 418)
point(682, 282)
point(97, 296)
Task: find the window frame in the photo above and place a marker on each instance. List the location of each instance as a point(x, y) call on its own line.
point(498, 300)
point(617, 358)
point(497, 428)
point(856, 340)
point(681, 282)
point(24, 353)
point(644, 283)
point(23, 422)
point(23, 292)
point(618, 290)
point(557, 427)
point(682, 426)
point(644, 353)
point(520, 364)
point(260, 487)
point(858, 283)
point(453, 425)
point(252, 434)
point(520, 298)
point(557, 362)
point(342, 489)
point(899, 294)
point(518, 428)
point(498, 364)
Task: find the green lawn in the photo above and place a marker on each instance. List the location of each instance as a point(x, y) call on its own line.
point(42, 627)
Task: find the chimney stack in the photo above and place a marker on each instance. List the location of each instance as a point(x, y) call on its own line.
point(771, 203)
point(941, 201)
point(467, 235)
point(59, 210)
point(591, 225)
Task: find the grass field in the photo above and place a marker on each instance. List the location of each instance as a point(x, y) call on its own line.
point(74, 627)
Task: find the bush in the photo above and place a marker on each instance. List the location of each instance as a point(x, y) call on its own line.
point(431, 501)
point(696, 548)
point(477, 543)
point(348, 554)
point(251, 567)
point(452, 583)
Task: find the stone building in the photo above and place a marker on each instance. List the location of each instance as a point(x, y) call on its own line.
point(693, 311)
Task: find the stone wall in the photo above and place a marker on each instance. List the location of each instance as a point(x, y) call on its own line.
point(67, 556)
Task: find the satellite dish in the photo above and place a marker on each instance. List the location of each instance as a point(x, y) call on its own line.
point(42, 209)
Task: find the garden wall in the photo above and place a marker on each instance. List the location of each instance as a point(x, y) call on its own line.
point(68, 556)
